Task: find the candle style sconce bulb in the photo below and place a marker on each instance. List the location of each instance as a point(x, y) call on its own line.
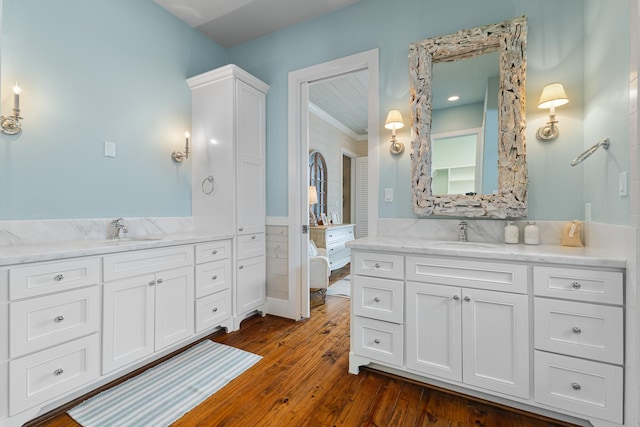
point(11, 125)
point(180, 156)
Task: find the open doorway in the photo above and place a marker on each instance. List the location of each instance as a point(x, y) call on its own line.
point(300, 82)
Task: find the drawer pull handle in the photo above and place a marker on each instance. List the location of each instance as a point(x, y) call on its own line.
point(215, 309)
point(160, 281)
point(331, 250)
point(576, 330)
point(467, 299)
point(152, 283)
point(377, 341)
point(330, 235)
point(241, 228)
point(58, 372)
point(59, 277)
point(576, 285)
point(576, 386)
point(214, 252)
point(376, 299)
point(377, 265)
point(58, 319)
point(253, 237)
point(456, 298)
point(214, 277)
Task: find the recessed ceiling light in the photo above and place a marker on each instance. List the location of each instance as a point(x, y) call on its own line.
point(453, 98)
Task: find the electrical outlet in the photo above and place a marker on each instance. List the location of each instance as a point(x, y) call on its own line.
point(622, 184)
point(587, 212)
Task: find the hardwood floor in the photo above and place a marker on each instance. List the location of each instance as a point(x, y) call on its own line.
point(302, 380)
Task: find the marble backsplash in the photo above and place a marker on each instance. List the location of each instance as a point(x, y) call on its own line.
point(43, 231)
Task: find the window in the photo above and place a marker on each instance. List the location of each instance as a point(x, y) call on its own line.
point(318, 178)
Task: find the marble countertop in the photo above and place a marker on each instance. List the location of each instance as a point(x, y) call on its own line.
point(495, 251)
point(23, 253)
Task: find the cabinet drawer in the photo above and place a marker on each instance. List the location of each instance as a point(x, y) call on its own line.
point(580, 329)
point(130, 264)
point(213, 251)
point(579, 284)
point(466, 273)
point(44, 278)
point(213, 277)
point(47, 321)
point(251, 245)
point(339, 260)
point(50, 373)
point(338, 234)
point(380, 265)
point(336, 248)
point(581, 386)
point(382, 341)
point(380, 299)
point(213, 309)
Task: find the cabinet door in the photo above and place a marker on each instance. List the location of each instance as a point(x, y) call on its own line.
point(434, 330)
point(496, 341)
point(128, 321)
point(250, 284)
point(174, 315)
point(250, 149)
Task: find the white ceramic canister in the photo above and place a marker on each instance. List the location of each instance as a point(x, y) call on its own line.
point(511, 233)
point(531, 234)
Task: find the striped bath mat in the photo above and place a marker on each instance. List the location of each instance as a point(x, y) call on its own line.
point(164, 393)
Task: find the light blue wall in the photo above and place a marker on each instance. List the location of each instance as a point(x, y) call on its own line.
point(556, 52)
point(95, 71)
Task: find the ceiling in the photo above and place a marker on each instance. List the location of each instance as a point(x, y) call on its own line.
point(231, 22)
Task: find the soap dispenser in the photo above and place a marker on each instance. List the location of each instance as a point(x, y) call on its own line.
point(511, 233)
point(531, 234)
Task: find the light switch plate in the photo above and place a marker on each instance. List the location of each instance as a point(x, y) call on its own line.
point(109, 149)
point(388, 195)
point(622, 184)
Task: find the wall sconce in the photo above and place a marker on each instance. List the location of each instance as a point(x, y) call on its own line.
point(179, 156)
point(11, 124)
point(393, 122)
point(553, 96)
point(313, 199)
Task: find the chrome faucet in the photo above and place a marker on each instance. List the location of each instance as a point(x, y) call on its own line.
point(118, 225)
point(462, 232)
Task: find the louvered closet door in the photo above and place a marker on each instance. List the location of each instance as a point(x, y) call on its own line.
point(362, 197)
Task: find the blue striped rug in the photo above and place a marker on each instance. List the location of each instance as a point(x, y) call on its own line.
point(164, 393)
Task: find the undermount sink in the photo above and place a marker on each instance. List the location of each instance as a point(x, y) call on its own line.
point(464, 245)
point(135, 239)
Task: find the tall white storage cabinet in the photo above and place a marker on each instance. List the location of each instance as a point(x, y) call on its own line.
point(228, 155)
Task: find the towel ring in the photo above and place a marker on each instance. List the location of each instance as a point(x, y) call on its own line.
point(208, 185)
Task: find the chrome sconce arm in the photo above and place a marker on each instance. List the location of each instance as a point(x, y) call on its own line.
point(10, 125)
point(180, 156)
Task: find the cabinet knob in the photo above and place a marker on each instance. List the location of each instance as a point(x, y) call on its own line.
point(330, 235)
point(576, 285)
point(215, 309)
point(241, 228)
point(160, 281)
point(152, 283)
point(377, 341)
point(467, 299)
point(58, 372)
point(214, 277)
point(376, 299)
point(377, 265)
point(576, 330)
point(253, 237)
point(456, 298)
point(576, 386)
point(58, 319)
point(214, 252)
point(59, 277)
point(241, 267)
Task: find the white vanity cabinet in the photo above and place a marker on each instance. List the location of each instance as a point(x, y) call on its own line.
point(54, 318)
point(229, 132)
point(148, 303)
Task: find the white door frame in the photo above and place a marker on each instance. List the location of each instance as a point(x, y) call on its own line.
point(298, 156)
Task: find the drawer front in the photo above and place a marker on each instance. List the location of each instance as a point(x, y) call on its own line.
point(467, 273)
point(213, 309)
point(50, 373)
point(378, 264)
point(381, 341)
point(45, 278)
point(580, 386)
point(130, 264)
point(380, 299)
point(251, 245)
point(580, 329)
point(214, 251)
point(213, 277)
point(338, 234)
point(579, 284)
point(340, 259)
point(336, 247)
point(48, 321)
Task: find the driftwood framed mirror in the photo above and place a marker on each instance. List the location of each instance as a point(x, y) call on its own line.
point(509, 200)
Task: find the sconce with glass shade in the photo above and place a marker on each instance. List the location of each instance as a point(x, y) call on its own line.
point(179, 156)
point(553, 95)
point(313, 199)
point(11, 125)
point(394, 121)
